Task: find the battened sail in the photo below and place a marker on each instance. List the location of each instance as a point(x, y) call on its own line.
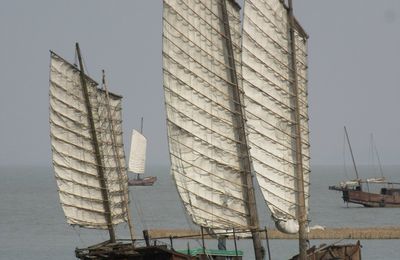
point(137, 158)
point(270, 106)
point(74, 158)
point(201, 116)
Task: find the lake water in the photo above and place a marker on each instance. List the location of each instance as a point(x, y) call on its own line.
point(32, 224)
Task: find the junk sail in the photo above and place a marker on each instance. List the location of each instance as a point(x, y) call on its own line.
point(268, 84)
point(202, 123)
point(137, 158)
point(77, 169)
point(202, 128)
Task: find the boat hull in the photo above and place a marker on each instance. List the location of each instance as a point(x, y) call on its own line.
point(216, 254)
point(368, 199)
point(344, 252)
point(122, 251)
point(389, 198)
point(148, 181)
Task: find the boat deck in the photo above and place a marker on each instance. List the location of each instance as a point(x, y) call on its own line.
point(327, 233)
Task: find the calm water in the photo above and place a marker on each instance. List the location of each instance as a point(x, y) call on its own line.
point(32, 225)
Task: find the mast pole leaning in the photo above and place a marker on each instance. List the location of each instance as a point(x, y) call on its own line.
point(96, 148)
point(117, 160)
point(301, 209)
point(244, 150)
point(351, 152)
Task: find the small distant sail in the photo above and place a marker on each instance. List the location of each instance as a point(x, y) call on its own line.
point(137, 158)
point(270, 107)
point(74, 159)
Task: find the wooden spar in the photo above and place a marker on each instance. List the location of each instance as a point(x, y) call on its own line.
point(351, 152)
point(202, 240)
point(104, 192)
point(117, 160)
point(234, 240)
point(267, 240)
point(243, 149)
point(301, 208)
point(141, 125)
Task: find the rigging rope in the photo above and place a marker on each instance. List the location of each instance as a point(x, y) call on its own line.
point(344, 156)
point(140, 214)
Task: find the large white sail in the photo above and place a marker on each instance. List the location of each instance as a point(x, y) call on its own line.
point(201, 118)
point(74, 158)
point(270, 106)
point(137, 158)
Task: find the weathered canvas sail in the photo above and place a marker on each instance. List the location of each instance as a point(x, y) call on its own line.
point(137, 158)
point(202, 125)
point(74, 158)
point(270, 107)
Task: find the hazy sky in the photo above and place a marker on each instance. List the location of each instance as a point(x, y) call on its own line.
point(354, 76)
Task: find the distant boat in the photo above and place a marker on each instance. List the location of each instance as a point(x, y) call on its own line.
point(357, 191)
point(146, 181)
point(137, 159)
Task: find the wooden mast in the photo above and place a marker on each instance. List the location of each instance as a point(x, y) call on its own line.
point(301, 208)
point(244, 149)
point(104, 192)
point(351, 152)
point(117, 160)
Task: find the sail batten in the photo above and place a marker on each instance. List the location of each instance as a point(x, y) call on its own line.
point(271, 124)
point(206, 70)
point(211, 161)
point(74, 159)
point(213, 21)
point(225, 114)
point(218, 133)
point(270, 99)
point(248, 69)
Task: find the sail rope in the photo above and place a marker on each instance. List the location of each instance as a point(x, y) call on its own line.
point(375, 151)
point(379, 161)
point(191, 226)
point(344, 156)
point(372, 153)
point(140, 214)
point(110, 115)
point(78, 234)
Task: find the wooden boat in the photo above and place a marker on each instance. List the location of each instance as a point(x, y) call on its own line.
point(329, 252)
point(209, 254)
point(137, 159)
point(353, 192)
point(123, 251)
point(89, 161)
point(126, 252)
point(146, 181)
point(237, 106)
point(363, 192)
